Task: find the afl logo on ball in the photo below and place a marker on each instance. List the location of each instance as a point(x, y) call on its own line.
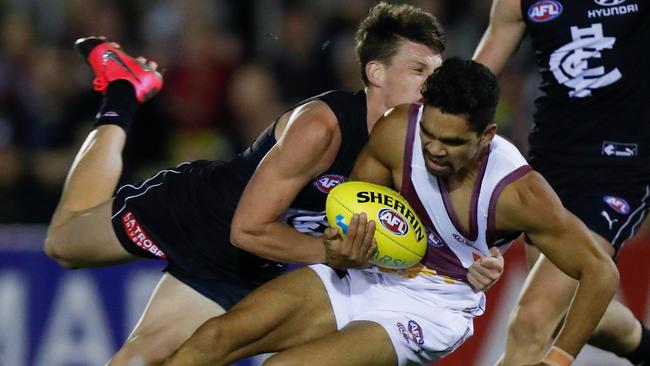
point(544, 11)
point(325, 183)
point(617, 204)
point(393, 221)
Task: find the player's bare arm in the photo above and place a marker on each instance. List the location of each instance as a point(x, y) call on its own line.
point(502, 36)
point(306, 147)
point(380, 162)
point(530, 205)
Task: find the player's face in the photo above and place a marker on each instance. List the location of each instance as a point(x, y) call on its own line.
point(448, 143)
point(407, 72)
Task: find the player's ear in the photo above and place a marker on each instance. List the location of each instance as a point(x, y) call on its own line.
point(375, 71)
point(488, 133)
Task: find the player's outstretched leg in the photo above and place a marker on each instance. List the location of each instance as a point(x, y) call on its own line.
point(173, 313)
point(288, 311)
point(535, 317)
point(80, 233)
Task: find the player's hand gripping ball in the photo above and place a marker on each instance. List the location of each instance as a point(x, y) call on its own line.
point(401, 237)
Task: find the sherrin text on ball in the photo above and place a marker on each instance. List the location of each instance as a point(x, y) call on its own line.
point(401, 237)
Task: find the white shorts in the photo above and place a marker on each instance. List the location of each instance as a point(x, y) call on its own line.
point(425, 318)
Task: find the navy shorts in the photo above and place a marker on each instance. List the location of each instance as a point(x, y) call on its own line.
point(612, 202)
point(183, 215)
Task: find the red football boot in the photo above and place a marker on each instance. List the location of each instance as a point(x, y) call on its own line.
point(110, 63)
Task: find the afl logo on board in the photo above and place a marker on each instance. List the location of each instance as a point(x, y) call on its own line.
point(326, 182)
point(544, 11)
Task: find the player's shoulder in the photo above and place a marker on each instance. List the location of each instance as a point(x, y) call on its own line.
point(343, 103)
point(388, 136)
point(525, 200)
point(340, 96)
point(321, 116)
point(400, 112)
point(524, 188)
point(315, 115)
point(394, 122)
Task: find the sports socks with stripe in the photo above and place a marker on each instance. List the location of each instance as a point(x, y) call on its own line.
point(118, 106)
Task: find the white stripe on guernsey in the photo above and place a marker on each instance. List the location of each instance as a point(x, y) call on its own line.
point(148, 188)
point(151, 178)
point(629, 219)
point(636, 225)
point(638, 222)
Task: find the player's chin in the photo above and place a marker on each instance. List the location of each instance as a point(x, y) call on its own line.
point(439, 170)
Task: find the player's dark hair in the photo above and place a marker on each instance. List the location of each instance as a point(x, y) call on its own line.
point(463, 87)
point(379, 35)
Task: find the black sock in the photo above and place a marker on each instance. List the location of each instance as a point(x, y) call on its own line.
point(118, 106)
point(641, 355)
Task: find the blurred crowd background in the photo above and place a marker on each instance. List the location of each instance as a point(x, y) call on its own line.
point(230, 68)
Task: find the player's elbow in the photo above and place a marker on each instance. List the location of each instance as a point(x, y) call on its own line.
point(55, 248)
point(609, 279)
point(242, 235)
point(611, 274)
point(237, 237)
point(603, 271)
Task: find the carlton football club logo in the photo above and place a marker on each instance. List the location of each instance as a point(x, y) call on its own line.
point(325, 183)
point(544, 11)
point(617, 204)
point(393, 221)
point(570, 64)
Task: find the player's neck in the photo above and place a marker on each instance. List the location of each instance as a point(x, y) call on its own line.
point(375, 105)
point(467, 175)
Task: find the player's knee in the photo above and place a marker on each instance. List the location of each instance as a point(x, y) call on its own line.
point(149, 345)
point(139, 353)
point(617, 331)
point(527, 338)
point(209, 339)
point(280, 359)
point(528, 327)
point(55, 248)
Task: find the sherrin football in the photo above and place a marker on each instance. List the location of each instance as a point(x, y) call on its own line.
point(401, 237)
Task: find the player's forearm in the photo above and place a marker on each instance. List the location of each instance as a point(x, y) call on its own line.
point(280, 242)
point(502, 36)
point(496, 47)
point(597, 286)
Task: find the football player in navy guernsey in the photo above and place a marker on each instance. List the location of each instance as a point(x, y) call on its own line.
point(273, 194)
point(590, 140)
point(473, 191)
